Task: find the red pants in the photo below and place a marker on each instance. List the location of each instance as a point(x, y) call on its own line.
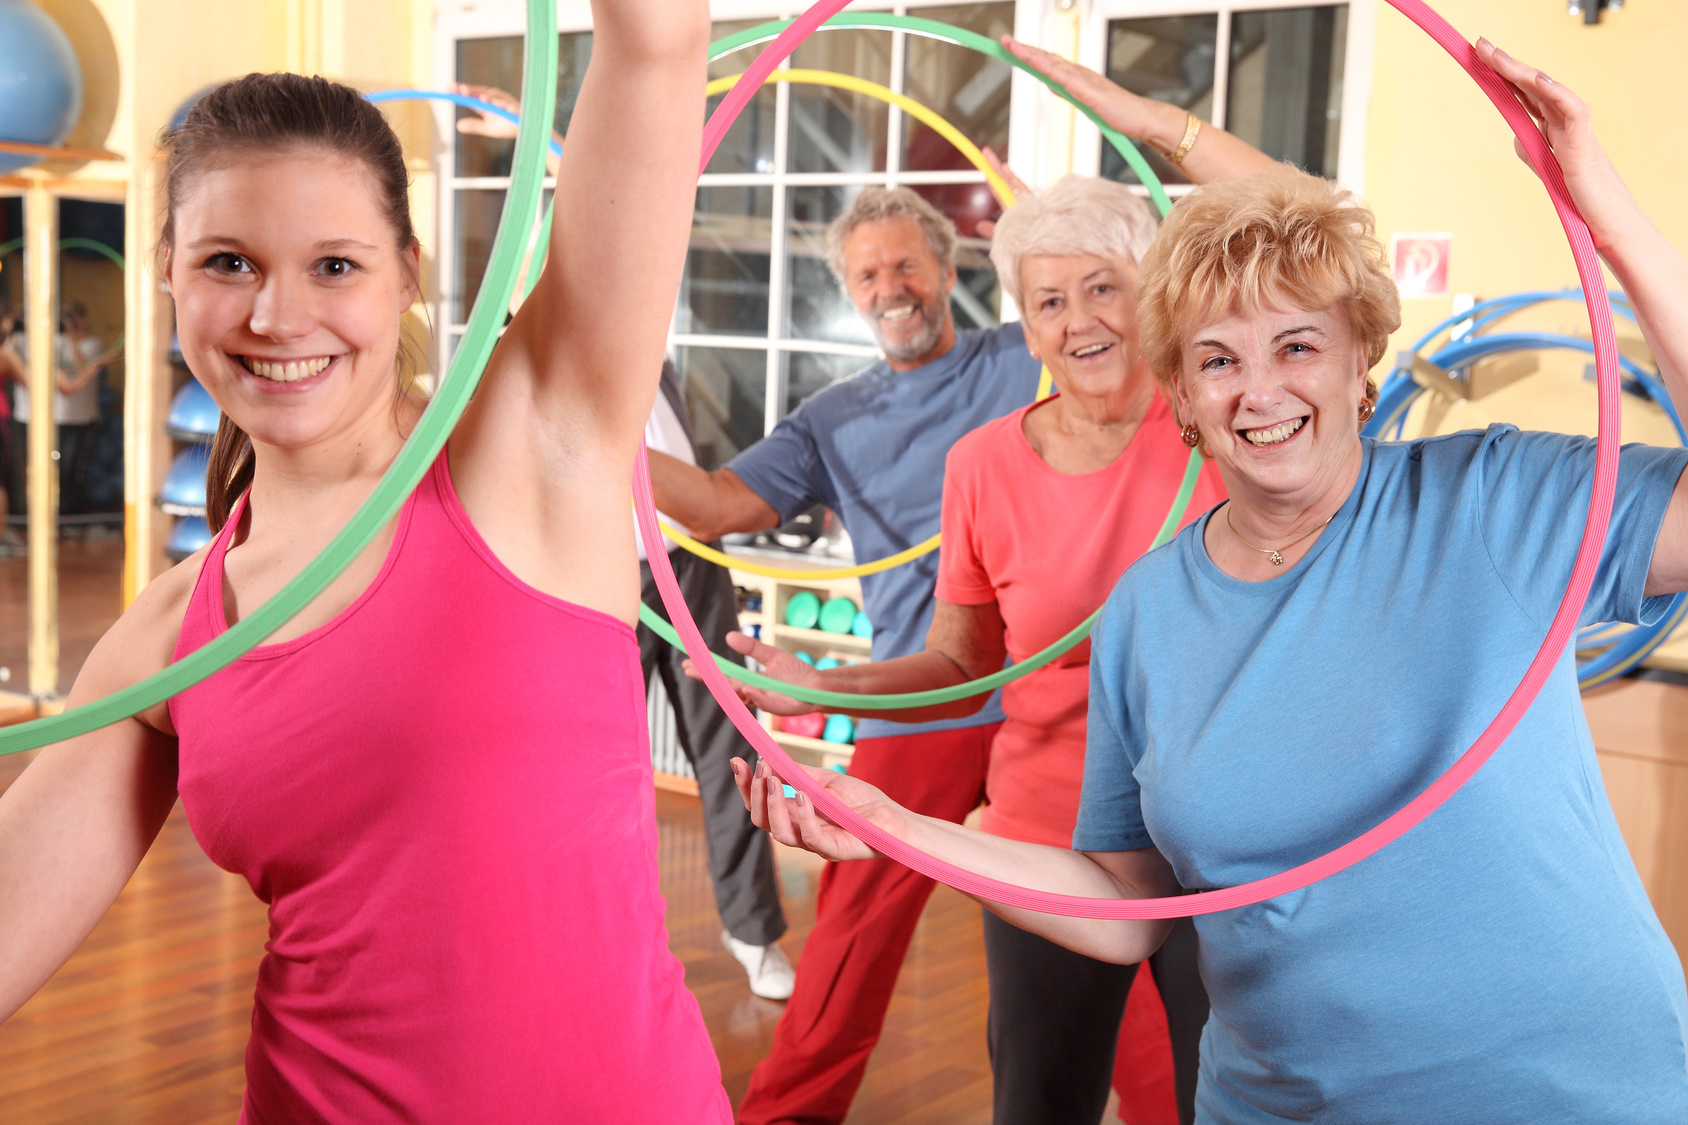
point(865, 914)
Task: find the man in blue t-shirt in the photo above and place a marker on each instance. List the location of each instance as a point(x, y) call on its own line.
point(872, 448)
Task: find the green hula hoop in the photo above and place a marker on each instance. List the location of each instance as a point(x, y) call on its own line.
point(486, 321)
point(71, 244)
point(973, 41)
point(851, 701)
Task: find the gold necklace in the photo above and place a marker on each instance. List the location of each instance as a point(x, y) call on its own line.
point(1272, 556)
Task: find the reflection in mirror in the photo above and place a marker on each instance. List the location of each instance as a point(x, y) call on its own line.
point(1169, 59)
point(725, 290)
point(836, 130)
point(1285, 94)
point(726, 389)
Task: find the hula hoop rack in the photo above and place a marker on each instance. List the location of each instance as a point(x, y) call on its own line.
point(1604, 651)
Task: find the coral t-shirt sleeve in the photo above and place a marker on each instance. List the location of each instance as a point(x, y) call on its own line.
point(962, 578)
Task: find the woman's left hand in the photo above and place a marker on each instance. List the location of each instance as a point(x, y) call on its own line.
point(1568, 127)
point(794, 821)
point(485, 124)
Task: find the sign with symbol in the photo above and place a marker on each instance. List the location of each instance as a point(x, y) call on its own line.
point(1421, 263)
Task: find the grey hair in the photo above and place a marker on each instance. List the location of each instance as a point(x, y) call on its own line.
point(1076, 215)
point(876, 205)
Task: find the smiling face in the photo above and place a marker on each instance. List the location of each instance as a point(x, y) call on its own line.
point(1081, 320)
point(289, 283)
point(1276, 394)
point(901, 290)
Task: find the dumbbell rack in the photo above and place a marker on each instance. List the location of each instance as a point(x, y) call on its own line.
point(842, 647)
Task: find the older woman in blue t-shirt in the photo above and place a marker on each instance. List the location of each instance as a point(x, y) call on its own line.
point(1304, 660)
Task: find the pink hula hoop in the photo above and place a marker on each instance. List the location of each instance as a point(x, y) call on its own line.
point(1247, 894)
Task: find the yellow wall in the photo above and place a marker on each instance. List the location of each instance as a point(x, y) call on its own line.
point(1439, 157)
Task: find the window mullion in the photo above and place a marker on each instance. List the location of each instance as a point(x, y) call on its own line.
point(1222, 67)
point(894, 125)
point(777, 297)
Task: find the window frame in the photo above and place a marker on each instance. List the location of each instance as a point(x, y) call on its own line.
point(1356, 79)
point(456, 23)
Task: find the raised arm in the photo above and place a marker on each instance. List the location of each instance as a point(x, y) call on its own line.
point(1215, 154)
point(544, 456)
point(1650, 270)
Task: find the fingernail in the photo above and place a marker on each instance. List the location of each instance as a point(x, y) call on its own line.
point(1485, 43)
point(1545, 78)
point(802, 801)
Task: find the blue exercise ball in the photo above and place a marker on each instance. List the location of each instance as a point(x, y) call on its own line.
point(189, 535)
point(193, 414)
point(40, 81)
point(183, 493)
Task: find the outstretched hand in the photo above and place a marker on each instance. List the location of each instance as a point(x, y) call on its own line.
point(484, 124)
point(777, 664)
point(1157, 124)
point(1568, 127)
point(987, 227)
point(793, 821)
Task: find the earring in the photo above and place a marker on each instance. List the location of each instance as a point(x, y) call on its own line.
point(1366, 410)
point(1192, 436)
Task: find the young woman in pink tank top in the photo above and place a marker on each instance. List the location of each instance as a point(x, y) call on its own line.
point(437, 775)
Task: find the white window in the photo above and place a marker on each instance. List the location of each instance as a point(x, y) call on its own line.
point(1290, 78)
point(761, 324)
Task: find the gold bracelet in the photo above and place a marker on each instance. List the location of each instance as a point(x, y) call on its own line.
point(1192, 126)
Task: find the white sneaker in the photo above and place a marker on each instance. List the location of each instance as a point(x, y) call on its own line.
point(771, 975)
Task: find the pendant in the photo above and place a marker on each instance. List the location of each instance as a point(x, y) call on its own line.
point(1276, 559)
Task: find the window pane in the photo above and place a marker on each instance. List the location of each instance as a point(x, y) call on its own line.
point(726, 284)
point(835, 130)
point(815, 305)
point(1285, 94)
point(749, 144)
point(976, 300)
point(725, 392)
point(1170, 59)
point(498, 62)
point(967, 89)
point(804, 373)
point(477, 224)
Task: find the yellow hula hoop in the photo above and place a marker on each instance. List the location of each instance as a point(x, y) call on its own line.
point(1004, 195)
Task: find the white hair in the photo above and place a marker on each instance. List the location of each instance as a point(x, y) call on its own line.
point(1076, 215)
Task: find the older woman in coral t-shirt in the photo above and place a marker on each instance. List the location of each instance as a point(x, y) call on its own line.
point(1044, 509)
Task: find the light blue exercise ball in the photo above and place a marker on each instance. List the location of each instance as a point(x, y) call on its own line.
point(193, 414)
point(189, 535)
point(40, 81)
point(183, 492)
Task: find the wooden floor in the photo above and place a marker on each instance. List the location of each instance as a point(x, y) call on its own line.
point(90, 598)
point(148, 1022)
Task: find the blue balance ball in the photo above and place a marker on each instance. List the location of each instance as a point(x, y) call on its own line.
point(183, 493)
point(193, 414)
point(189, 535)
point(40, 81)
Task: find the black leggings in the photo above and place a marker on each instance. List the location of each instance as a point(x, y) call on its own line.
point(1054, 1024)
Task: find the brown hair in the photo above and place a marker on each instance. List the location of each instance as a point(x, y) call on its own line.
point(268, 112)
point(1280, 234)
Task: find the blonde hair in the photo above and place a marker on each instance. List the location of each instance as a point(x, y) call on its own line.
point(1276, 236)
point(877, 205)
point(1076, 215)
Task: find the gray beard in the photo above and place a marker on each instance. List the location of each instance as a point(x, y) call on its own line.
point(918, 346)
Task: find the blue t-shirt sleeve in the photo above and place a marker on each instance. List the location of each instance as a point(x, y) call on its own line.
point(1110, 811)
point(1534, 496)
point(785, 468)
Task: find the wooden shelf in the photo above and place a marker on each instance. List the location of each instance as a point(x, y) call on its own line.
point(826, 640)
point(814, 751)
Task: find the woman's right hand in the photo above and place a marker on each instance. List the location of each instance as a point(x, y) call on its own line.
point(776, 664)
point(794, 821)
